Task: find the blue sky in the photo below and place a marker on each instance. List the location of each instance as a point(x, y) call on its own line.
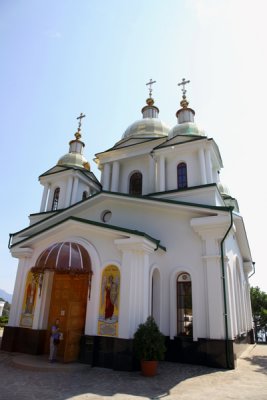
point(63, 57)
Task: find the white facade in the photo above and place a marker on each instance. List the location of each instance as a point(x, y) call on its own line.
point(152, 236)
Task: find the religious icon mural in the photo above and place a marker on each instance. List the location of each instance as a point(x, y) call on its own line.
point(28, 301)
point(109, 302)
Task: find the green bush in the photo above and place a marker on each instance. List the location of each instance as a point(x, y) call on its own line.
point(149, 342)
point(3, 320)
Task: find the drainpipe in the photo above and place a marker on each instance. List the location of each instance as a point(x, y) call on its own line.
point(224, 290)
point(253, 263)
point(10, 238)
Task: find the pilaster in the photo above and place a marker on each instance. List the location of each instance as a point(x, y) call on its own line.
point(161, 173)
point(44, 198)
point(134, 303)
point(106, 176)
point(212, 230)
point(68, 192)
point(74, 190)
point(202, 166)
point(208, 165)
point(115, 176)
point(18, 293)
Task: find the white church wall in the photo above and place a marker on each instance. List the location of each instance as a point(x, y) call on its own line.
point(127, 167)
point(198, 300)
point(186, 252)
point(17, 299)
point(171, 170)
point(239, 296)
point(205, 195)
point(155, 294)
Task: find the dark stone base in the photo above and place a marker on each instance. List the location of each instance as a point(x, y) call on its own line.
point(118, 353)
point(23, 340)
point(242, 342)
point(209, 352)
point(115, 353)
point(108, 352)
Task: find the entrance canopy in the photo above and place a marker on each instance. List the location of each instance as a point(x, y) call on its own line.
point(64, 257)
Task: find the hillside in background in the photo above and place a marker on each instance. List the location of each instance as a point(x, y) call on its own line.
point(6, 296)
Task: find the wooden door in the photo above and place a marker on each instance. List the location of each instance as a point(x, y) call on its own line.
point(68, 304)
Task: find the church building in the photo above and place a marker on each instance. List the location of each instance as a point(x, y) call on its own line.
point(158, 235)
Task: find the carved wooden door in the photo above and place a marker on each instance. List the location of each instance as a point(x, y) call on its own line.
point(68, 304)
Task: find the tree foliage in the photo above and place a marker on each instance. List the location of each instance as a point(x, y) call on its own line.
point(259, 307)
point(149, 342)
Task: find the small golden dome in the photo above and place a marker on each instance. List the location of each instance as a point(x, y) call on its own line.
point(150, 101)
point(74, 160)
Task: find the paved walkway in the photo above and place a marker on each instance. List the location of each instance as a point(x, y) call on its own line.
point(25, 377)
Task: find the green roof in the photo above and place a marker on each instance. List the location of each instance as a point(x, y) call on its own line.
point(99, 224)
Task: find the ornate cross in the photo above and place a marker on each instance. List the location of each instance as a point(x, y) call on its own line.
point(150, 83)
point(183, 83)
point(80, 122)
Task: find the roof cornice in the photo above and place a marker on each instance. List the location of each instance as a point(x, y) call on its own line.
point(96, 224)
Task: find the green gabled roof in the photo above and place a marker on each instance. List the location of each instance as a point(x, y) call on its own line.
point(99, 224)
point(186, 139)
point(88, 174)
point(119, 146)
point(183, 189)
point(169, 201)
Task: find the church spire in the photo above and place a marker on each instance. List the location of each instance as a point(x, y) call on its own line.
point(150, 111)
point(76, 145)
point(78, 133)
point(75, 155)
point(184, 114)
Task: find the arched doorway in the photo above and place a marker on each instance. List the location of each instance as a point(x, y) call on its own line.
point(70, 265)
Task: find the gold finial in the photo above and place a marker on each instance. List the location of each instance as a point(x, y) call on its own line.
point(78, 134)
point(184, 103)
point(150, 101)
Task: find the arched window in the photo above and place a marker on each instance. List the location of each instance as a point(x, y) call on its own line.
point(55, 199)
point(85, 195)
point(182, 175)
point(184, 305)
point(135, 186)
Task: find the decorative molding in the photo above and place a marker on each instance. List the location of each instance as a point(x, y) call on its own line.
point(23, 252)
point(135, 244)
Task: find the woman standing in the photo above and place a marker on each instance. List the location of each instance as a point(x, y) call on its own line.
point(54, 341)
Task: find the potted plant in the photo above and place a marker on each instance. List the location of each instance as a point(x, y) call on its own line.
point(149, 346)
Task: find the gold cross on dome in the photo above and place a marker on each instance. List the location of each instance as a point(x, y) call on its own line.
point(80, 122)
point(150, 83)
point(183, 83)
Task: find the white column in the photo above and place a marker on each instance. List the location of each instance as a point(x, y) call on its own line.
point(74, 190)
point(202, 167)
point(68, 192)
point(208, 165)
point(161, 173)
point(50, 198)
point(106, 177)
point(214, 293)
point(44, 198)
point(212, 230)
point(41, 311)
point(151, 183)
point(134, 294)
point(115, 176)
point(19, 288)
